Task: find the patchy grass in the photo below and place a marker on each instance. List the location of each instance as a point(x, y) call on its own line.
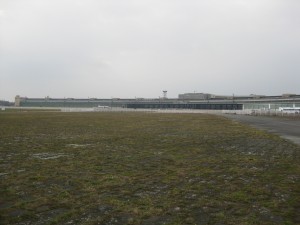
point(139, 168)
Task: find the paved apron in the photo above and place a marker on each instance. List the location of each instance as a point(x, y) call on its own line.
point(286, 128)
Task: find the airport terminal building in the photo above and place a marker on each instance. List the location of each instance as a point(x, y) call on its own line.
point(203, 101)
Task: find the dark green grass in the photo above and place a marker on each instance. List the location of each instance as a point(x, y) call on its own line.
point(139, 168)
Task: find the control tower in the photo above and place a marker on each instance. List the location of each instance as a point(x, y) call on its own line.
point(165, 94)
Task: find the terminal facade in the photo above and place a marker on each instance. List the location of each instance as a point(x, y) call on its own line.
point(184, 101)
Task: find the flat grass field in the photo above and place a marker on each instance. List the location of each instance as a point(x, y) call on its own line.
point(144, 168)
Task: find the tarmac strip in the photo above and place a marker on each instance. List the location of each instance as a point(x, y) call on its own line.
point(284, 127)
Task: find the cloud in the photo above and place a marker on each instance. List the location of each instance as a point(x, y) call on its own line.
point(137, 48)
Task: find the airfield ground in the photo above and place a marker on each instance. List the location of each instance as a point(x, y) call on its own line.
point(287, 127)
point(144, 168)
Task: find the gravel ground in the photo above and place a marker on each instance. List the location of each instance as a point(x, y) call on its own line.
point(286, 128)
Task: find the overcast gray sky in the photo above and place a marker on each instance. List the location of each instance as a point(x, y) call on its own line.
point(137, 48)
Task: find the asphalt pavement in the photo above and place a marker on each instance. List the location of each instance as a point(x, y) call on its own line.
point(284, 127)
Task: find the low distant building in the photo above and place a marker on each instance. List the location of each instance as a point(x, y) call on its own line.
point(5, 103)
point(288, 95)
point(195, 96)
point(184, 101)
